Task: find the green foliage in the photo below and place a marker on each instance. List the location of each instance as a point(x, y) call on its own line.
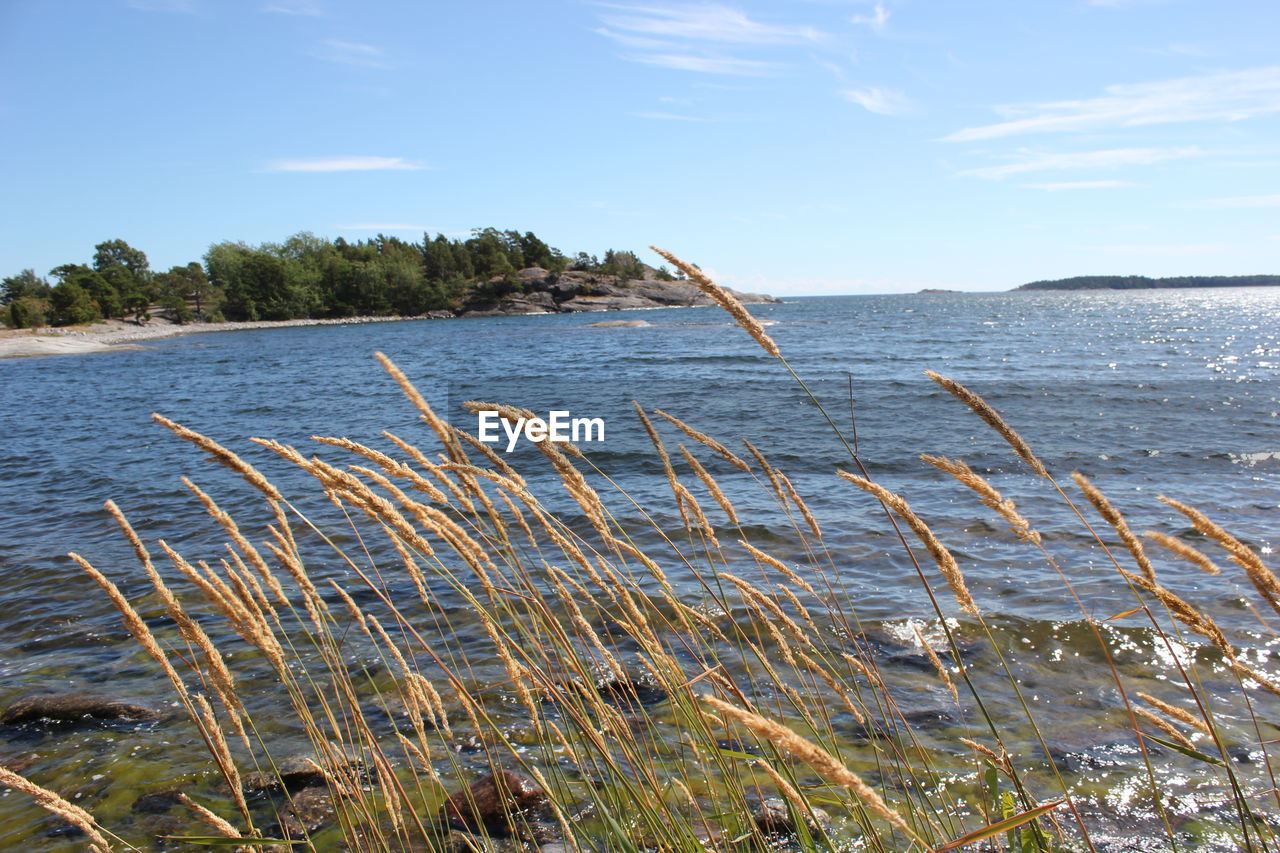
point(103, 296)
point(186, 293)
point(72, 304)
point(1139, 282)
point(28, 312)
point(306, 276)
point(25, 284)
point(622, 265)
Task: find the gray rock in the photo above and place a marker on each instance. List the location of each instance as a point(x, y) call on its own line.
point(501, 804)
point(72, 708)
point(296, 773)
point(772, 817)
point(582, 291)
point(308, 811)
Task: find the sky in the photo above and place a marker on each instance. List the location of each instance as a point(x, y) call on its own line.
point(798, 147)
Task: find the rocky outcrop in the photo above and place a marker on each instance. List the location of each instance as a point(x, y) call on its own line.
point(539, 291)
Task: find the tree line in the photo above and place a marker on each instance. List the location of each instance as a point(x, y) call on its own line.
point(303, 277)
point(1139, 282)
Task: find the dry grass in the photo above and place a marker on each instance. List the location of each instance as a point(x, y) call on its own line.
point(668, 706)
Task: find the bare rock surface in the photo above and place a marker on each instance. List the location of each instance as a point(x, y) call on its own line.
point(538, 291)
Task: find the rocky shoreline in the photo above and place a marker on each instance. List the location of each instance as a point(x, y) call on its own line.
point(535, 291)
point(539, 291)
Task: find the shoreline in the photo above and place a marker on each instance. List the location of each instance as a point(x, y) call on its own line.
point(119, 335)
point(110, 335)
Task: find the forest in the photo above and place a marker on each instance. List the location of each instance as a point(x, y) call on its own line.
point(1136, 282)
point(303, 277)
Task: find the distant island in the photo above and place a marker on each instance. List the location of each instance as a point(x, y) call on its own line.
point(490, 273)
point(1141, 282)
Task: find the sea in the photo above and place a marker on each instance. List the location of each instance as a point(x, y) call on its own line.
point(1146, 392)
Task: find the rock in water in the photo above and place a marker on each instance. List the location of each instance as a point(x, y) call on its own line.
point(298, 772)
point(308, 811)
point(772, 817)
point(72, 708)
point(499, 804)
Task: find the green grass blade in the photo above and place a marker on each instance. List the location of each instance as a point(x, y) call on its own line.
point(1000, 826)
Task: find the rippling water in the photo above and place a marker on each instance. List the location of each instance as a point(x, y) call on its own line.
point(1147, 392)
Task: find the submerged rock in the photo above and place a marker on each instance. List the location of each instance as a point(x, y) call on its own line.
point(72, 708)
point(772, 817)
point(296, 773)
point(157, 802)
point(501, 804)
point(308, 811)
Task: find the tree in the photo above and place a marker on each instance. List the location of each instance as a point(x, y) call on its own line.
point(72, 304)
point(28, 312)
point(185, 292)
point(102, 293)
point(622, 264)
point(118, 253)
point(25, 284)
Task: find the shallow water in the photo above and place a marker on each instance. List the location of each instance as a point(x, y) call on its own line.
point(1148, 392)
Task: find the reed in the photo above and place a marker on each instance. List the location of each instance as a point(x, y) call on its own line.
point(473, 664)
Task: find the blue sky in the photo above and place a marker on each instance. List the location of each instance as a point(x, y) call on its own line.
point(801, 147)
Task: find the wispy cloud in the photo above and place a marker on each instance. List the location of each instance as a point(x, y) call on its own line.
point(352, 53)
point(888, 102)
point(1078, 185)
point(708, 64)
point(1224, 96)
point(1027, 161)
point(702, 22)
point(707, 38)
point(377, 226)
point(877, 20)
point(181, 6)
point(343, 164)
point(1238, 201)
point(308, 8)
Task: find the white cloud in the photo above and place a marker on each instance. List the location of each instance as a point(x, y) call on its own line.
point(889, 102)
point(352, 53)
point(1078, 185)
point(634, 41)
point(1027, 161)
point(1239, 201)
point(701, 37)
point(1224, 96)
point(308, 8)
point(702, 22)
point(876, 20)
point(343, 164)
point(707, 64)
